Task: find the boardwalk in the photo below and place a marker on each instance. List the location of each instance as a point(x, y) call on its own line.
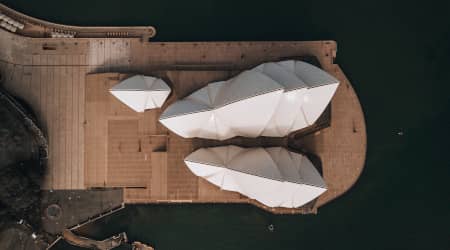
point(82, 122)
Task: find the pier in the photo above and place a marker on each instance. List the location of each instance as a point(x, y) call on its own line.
point(65, 80)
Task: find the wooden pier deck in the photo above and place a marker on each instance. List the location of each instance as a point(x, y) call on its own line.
point(58, 78)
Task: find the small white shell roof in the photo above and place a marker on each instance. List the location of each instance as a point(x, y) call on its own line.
point(273, 176)
point(141, 92)
point(272, 99)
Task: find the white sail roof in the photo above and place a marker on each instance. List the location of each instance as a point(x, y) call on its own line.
point(141, 92)
point(272, 99)
point(273, 176)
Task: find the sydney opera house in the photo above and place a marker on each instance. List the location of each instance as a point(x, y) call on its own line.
point(272, 100)
point(127, 120)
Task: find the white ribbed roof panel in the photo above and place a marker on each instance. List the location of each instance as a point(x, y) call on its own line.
point(141, 92)
point(272, 99)
point(273, 176)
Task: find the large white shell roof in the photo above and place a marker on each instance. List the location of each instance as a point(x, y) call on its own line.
point(272, 99)
point(273, 176)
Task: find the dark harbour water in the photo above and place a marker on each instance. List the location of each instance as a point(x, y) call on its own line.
point(397, 56)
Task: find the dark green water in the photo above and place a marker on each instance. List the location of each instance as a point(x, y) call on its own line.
point(397, 56)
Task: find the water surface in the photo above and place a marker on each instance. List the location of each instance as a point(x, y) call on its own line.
point(397, 56)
